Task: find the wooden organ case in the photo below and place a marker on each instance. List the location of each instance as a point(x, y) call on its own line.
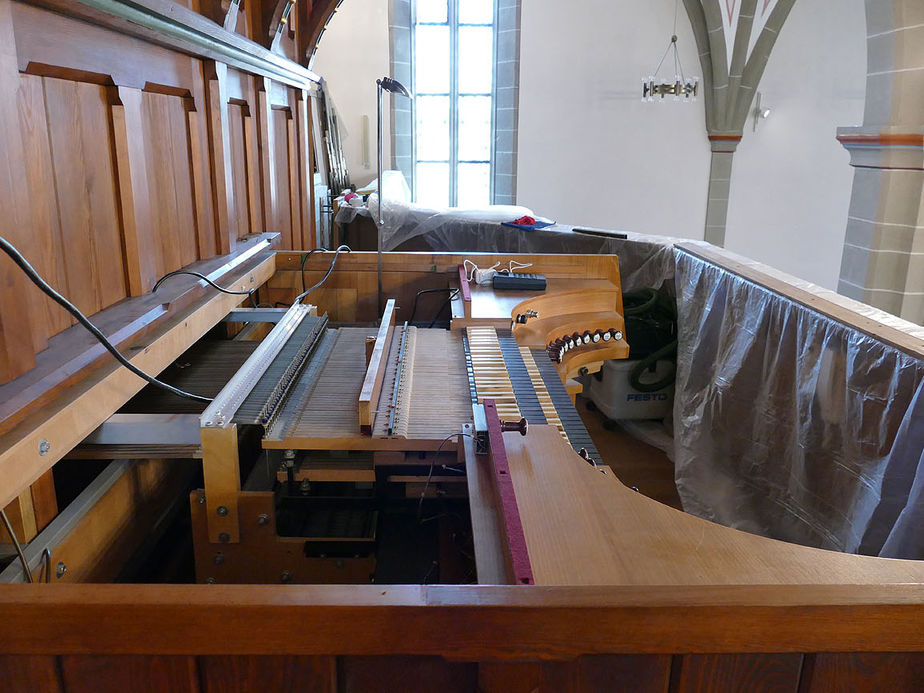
point(312, 510)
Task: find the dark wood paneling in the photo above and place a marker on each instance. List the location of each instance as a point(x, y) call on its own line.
point(589, 674)
point(129, 673)
point(167, 142)
point(254, 674)
point(747, 673)
point(283, 169)
point(81, 150)
point(864, 672)
point(29, 674)
point(406, 674)
point(239, 220)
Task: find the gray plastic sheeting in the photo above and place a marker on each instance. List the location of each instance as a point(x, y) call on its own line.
point(790, 424)
point(787, 423)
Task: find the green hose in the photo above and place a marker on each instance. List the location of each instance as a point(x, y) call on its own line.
point(640, 302)
point(636, 373)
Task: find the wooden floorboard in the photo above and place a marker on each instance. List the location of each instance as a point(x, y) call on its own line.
point(634, 462)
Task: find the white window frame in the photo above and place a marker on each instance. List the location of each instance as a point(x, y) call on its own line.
point(453, 161)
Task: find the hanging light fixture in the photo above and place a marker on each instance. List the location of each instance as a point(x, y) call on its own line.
point(681, 88)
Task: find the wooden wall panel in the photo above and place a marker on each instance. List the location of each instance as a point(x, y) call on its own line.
point(863, 672)
point(37, 673)
point(229, 674)
point(81, 149)
point(170, 180)
point(406, 674)
point(129, 674)
point(131, 160)
point(48, 317)
point(747, 673)
point(239, 221)
point(588, 674)
point(284, 174)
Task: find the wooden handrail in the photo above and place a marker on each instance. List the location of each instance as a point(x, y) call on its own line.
point(906, 342)
point(466, 622)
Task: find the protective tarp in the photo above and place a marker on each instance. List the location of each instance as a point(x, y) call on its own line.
point(789, 424)
point(644, 260)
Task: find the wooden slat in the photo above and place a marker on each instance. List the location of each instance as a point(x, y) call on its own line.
point(375, 373)
point(221, 147)
point(137, 211)
point(278, 674)
point(149, 674)
point(242, 211)
point(305, 181)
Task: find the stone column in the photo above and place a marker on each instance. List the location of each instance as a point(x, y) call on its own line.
point(729, 84)
point(883, 259)
point(723, 152)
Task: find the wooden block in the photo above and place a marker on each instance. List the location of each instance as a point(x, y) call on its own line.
point(375, 373)
point(222, 474)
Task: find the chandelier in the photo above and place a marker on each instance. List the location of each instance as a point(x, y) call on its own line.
point(681, 87)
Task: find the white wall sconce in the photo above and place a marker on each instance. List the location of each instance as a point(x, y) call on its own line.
point(760, 112)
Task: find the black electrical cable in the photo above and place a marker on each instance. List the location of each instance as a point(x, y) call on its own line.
point(19, 552)
point(427, 291)
point(46, 288)
point(324, 278)
point(207, 281)
point(443, 307)
point(305, 259)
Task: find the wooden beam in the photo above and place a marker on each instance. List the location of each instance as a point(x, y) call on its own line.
point(53, 430)
point(375, 373)
point(468, 622)
point(175, 26)
point(222, 473)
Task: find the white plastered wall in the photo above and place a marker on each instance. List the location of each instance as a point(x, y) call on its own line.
point(590, 152)
point(791, 180)
point(352, 54)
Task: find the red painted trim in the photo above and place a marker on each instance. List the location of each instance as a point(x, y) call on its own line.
point(513, 526)
point(898, 140)
point(463, 282)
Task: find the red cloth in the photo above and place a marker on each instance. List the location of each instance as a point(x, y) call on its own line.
point(524, 221)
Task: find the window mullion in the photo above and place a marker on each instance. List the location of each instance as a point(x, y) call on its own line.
point(453, 102)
